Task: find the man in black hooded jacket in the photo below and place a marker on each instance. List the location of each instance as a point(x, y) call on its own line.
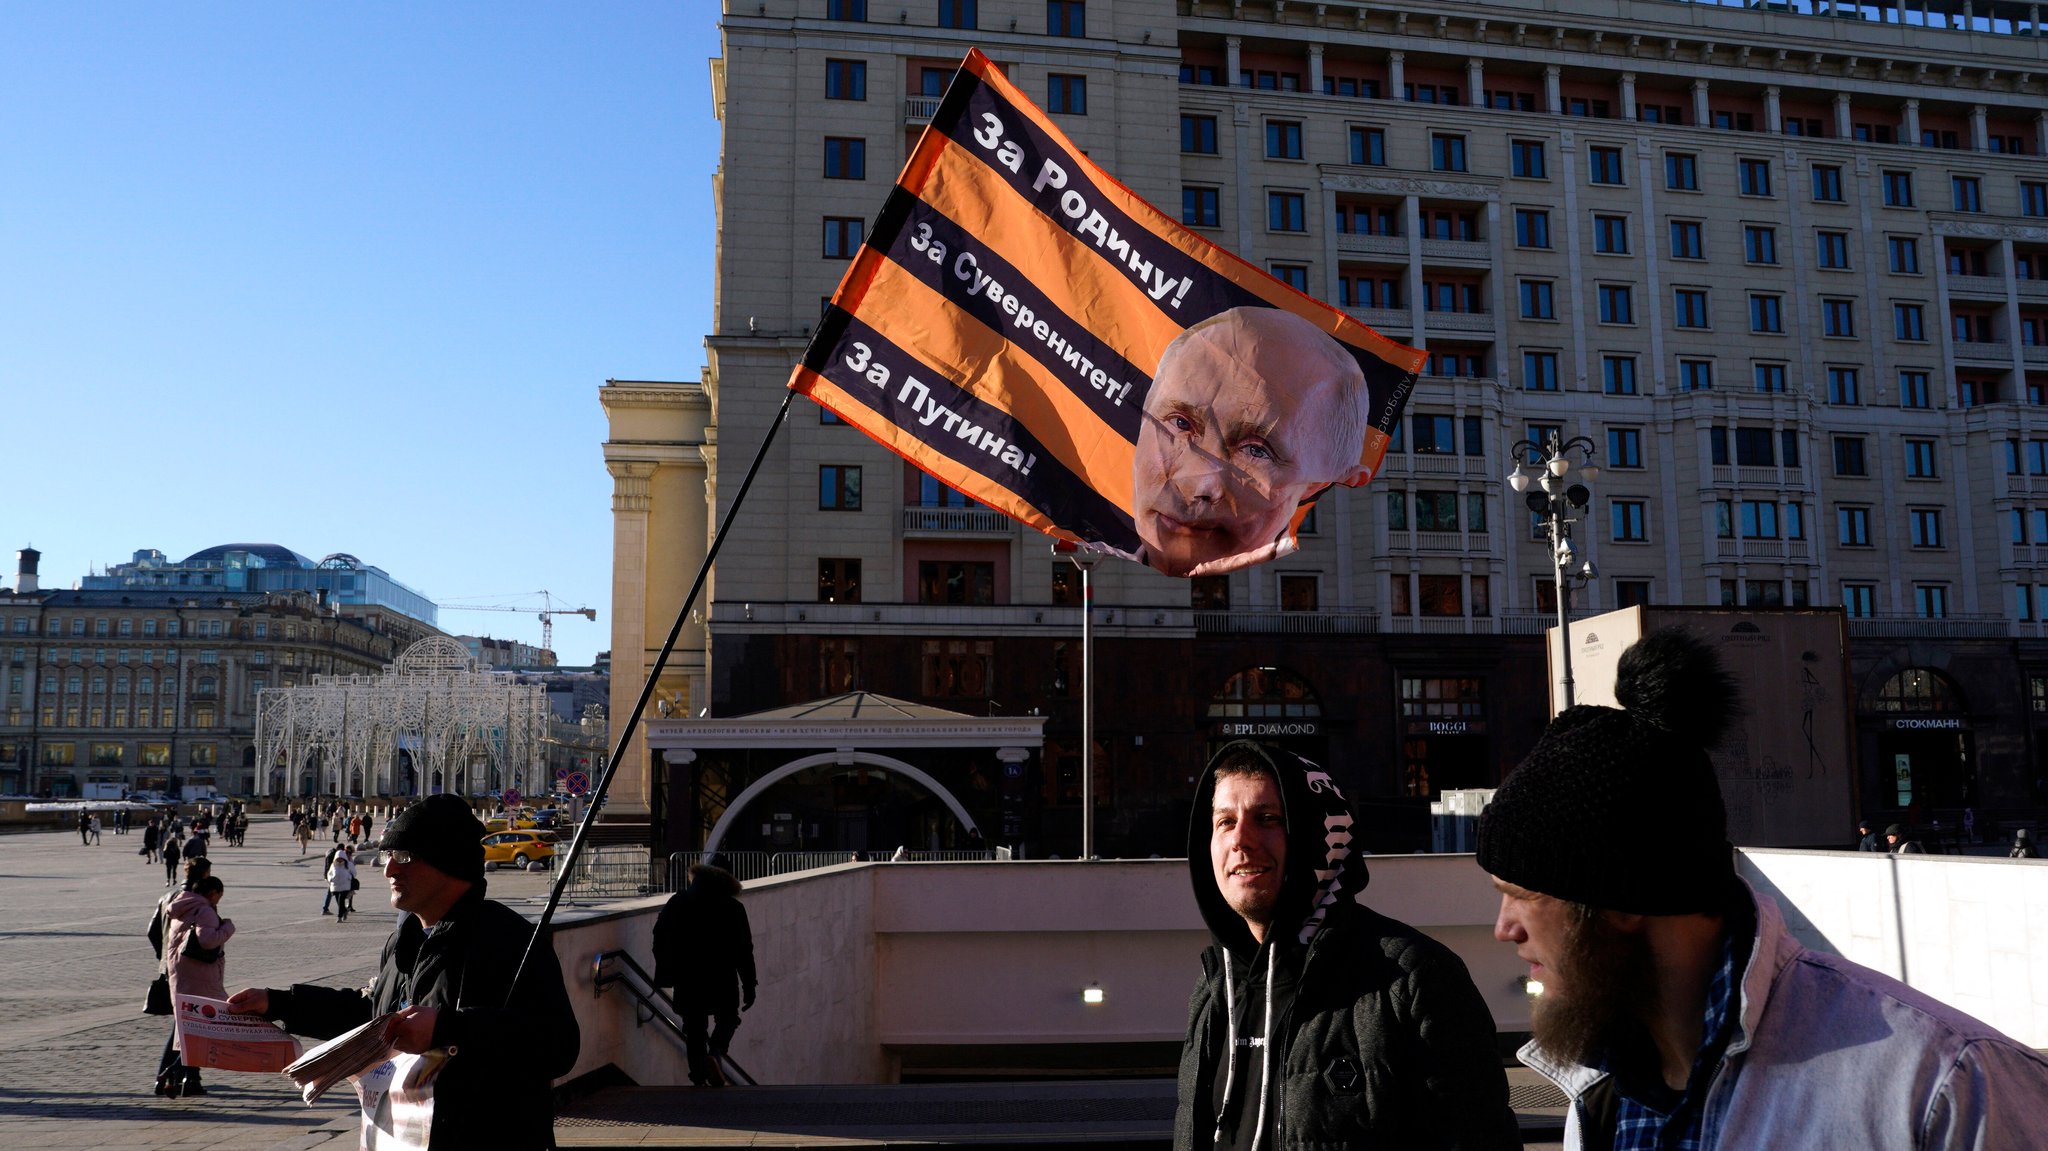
point(704, 949)
point(1319, 1022)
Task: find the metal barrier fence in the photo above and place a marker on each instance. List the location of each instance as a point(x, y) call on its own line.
point(613, 870)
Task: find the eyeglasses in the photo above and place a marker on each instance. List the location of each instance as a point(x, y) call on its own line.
point(401, 858)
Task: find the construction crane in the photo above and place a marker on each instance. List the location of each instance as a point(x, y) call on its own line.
point(547, 613)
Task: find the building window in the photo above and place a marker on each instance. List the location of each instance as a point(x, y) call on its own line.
point(1849, 456)
point(1827, 183)
point(1286, 212)
point(1293, 275)
point(1539, 371)
point(1198, 135)
point(1759, 244)
point(846, 158)
point(1440, 595)
point(1687, 240)
point(2033, 198)
point(1618, 375)
point(846, 10)
point(1689, 307)
point(1629, 521)
point(1205, 593)
point(1532, 228)
point(1525, 159)
point(1066, 93)
point(1909, 322)
point(846, 80)
point(1966, 193)
point(1624, 447)
point(839, 487)
point(1926, 527)
point(956, 582)
point(1842, 387)
point(1759, 520)
point(1610, 235)
point(1920, 460)
point(958, 668)
point(1753, 177)
point(1681, 172)
point(958, 14)
point(1200, 207)
point(1931, 600)
point(838, 580)
point(1766, 314)
point(1838, 317)
point(1898, 189)
point(1905, 254)
point(843, 236)
point(1852, 527)
point(1913, 390)
point(1283, 139)
point(1617, 304)
point(1695, 375)
point(1066, 18)
point(1298, 592)
point(1603, 165)
point(1447, 152)
point(1369, 146)
point(1833, 249)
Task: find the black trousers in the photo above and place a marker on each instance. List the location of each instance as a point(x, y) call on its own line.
point(708, 1028)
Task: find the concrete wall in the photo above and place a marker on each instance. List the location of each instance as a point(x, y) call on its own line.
point(858, 959)
point(1970, 931)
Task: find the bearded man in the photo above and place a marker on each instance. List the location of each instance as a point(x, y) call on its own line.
point(1677, 1011)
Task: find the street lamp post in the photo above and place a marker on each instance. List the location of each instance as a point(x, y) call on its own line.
point(1555, 499)
point(1084, 561)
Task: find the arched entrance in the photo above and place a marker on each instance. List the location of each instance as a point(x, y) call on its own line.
point(1270, 704)
point(1926, 751)
point(760, 786)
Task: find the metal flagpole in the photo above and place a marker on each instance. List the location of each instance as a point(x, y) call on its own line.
point(625, 733)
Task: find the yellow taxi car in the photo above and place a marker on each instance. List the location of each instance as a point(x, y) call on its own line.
point(520, 820)
point(518, 848)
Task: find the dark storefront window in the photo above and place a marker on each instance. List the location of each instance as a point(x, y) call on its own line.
point(1444, 742)
point(1918, 689)
point(958, 668)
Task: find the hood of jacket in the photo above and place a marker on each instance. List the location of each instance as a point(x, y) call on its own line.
point(1321, 871)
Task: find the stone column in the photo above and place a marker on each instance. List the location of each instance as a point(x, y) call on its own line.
point(1475, 81)
point(1980, 129)
point(1702, 116)
point(2041, 133)
point(1774, 112)
point(1397, 75)
point(1911, 128)
point(1553, 89)
point(680, 802)
point(1843, 127)
point(1628, 95)
point(1315, 68)
point(1232, 46)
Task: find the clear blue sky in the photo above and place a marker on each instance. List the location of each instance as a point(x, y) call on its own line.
point(346, 277)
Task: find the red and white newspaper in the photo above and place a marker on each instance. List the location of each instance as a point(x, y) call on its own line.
point(209, 1035)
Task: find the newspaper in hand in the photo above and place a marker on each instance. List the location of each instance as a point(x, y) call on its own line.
point(343, 1057)
point(209, 1034)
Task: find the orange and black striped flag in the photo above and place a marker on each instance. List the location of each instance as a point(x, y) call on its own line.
point(1026, 329)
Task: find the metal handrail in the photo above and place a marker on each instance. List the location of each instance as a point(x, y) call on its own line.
point(650, 997)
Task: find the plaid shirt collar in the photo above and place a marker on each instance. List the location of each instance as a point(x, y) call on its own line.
point(1644, 1126)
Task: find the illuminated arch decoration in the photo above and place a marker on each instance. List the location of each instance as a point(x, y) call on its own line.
point(760, 786)
point(1919, 690)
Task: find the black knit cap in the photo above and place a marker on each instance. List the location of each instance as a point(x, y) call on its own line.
point(440, 830)
point(1619, 808)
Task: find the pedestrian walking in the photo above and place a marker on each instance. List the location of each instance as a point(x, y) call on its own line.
point(303, 832)
point(84, 828)
point(95, 829)
point(195, 844)
point(704, 949)
point(342, 882)
point(149, 841)
point(172, 853)
point(2023, 845)
point(1898, 842)
point(195, 955)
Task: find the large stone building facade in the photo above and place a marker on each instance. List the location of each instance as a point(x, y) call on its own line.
point(1786, 269)
point(148, 689)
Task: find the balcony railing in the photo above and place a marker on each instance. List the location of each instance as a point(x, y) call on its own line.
point(1458, 321)
point(920, 109)
point(1984, 351)
point(1953, 626)
point(1977, 286)
point(2034, 354)
point(957, 521)
point(1285, 623)
point(2034, 289)
point(1383, 318)
point(1360, 243)
point(1478, 250)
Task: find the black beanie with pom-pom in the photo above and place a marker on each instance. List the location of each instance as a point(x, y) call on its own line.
point(1619, 808)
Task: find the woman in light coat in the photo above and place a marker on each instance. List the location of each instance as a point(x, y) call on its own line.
point(341, 881)
point(194, 922)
